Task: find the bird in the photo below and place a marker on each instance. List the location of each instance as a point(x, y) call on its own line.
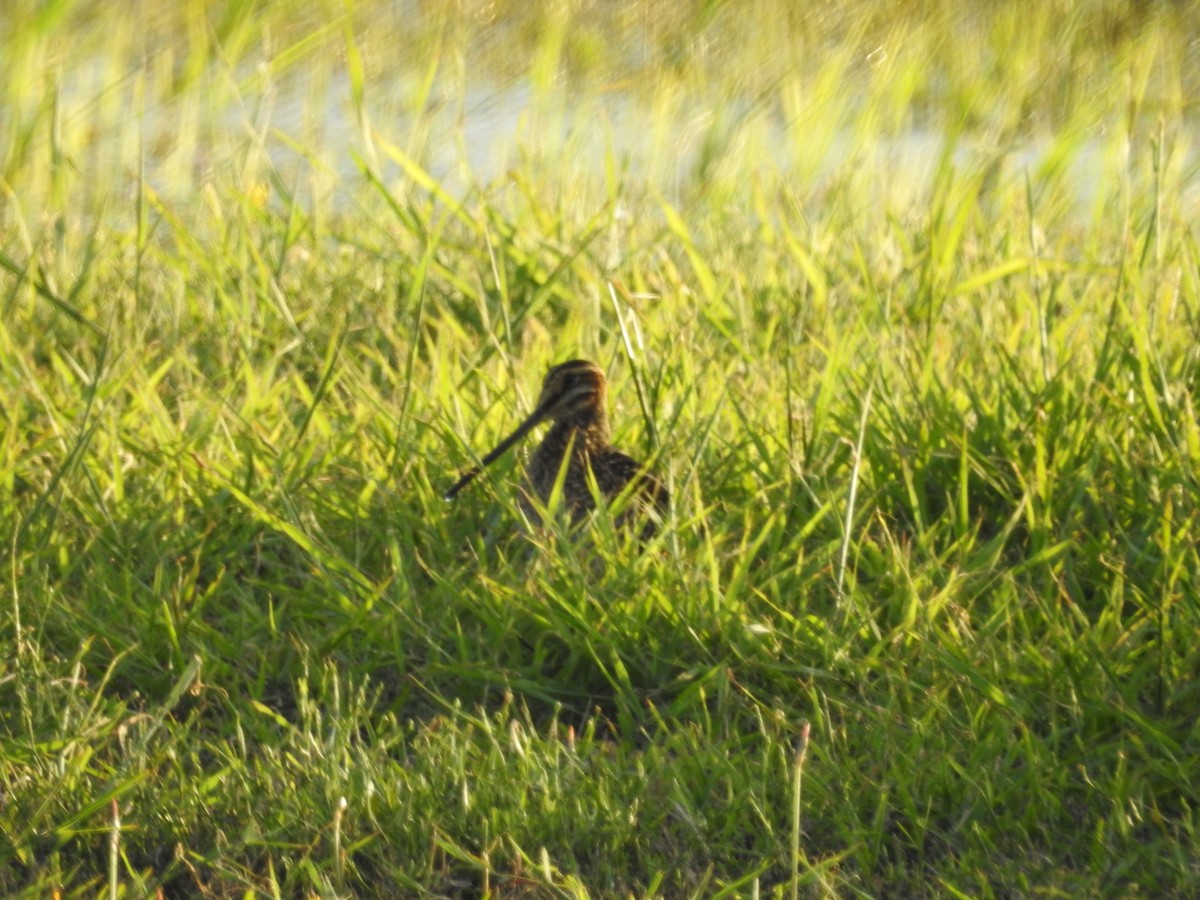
point(573, 398)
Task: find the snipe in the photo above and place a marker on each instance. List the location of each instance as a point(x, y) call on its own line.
point(572, 397)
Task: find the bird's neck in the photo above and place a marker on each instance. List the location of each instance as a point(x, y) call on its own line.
point(586, 431)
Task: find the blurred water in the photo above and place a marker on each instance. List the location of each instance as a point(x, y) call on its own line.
point(308, 131)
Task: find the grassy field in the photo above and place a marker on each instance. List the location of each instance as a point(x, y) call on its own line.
point(902, 300)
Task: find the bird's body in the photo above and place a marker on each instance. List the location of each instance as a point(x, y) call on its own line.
point(573, 398)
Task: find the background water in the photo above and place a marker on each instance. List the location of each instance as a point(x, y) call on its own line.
point(672, 105)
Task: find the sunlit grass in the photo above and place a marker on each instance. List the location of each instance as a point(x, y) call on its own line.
point(903, 307)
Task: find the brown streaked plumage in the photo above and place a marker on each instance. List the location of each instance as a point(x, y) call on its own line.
point(573, 398)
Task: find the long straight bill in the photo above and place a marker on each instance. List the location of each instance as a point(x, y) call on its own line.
point(469, 476)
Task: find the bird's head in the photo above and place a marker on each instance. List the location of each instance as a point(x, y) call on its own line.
point(571, 392)
point(570, 389)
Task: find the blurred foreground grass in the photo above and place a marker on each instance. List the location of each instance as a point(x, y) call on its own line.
point(905, 304)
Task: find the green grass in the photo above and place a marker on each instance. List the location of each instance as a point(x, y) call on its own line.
point(904, 304)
